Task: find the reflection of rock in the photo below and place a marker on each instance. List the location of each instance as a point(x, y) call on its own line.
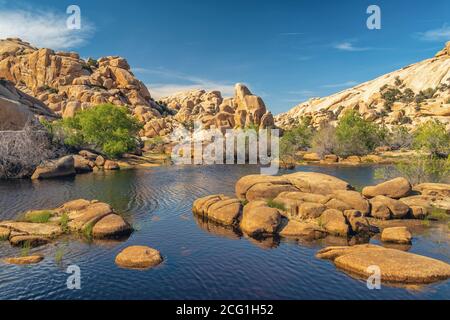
point(395, 265)
point(138, 257)
point(396, 235)
point(24, 260)
point(217, 229)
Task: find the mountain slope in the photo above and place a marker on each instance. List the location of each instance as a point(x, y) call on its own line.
point(394, 98)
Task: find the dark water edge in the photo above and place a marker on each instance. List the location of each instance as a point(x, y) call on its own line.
point(202, 260)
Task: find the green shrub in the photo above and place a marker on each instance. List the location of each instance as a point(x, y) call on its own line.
point(324, 141)
point(298, 138)
point(433, 137)
point(42, 216)
point(356, 136)
point(277, 205)
point(64, 222)
point(107, 128)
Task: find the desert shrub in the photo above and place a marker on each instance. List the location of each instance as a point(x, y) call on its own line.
point(407, 96)
point(42, 216)
point(417, 170)
point(22, 151)
point(324, 141)
point(356, 136)
point(277, 205)
point(105, 128)
point(432, 137)
point(399, 138)
point(155, 144)
point(390, 95)
point(298, 138)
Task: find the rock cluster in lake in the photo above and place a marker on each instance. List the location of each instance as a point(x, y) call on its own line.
point(93, 219)
point(309, 205)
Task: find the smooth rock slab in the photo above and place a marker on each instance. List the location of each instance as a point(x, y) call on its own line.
point(24, 260)
point(399, 235)
point(396, 266)
point(31, 240)
point(138, 257)
point(38, 229)
point(395, 189)
point(309, 230)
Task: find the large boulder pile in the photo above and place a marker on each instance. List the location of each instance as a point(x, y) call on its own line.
point(66, 83)
point(93, 219)
point(314, 205)
point(212, 110)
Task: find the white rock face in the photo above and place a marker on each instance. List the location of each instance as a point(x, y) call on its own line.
point(366, 98)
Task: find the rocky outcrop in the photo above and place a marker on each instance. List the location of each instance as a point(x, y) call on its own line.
point(389, 99)
point(395, 266)
point(219, 208)
point(91, 218)
point(259, 219)
point(244, 110)
point(138, 257)
point(66, 83)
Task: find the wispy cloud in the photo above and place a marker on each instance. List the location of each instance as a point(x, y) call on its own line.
point(292, 34)
point(43, 28)
point(347, 84)
point(439, 34)
point(179, 82)
point(349, 46)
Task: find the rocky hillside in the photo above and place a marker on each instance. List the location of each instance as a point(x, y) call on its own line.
point(408, 96)
point(66, 83)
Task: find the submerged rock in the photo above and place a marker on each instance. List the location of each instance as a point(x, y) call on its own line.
point(396, 266)
point(138, 257)
point(24, 260)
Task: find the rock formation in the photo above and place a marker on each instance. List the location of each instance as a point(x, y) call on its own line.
point(408, 96)
point(212, 110)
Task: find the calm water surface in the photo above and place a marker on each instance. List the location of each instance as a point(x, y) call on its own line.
point(202, 261)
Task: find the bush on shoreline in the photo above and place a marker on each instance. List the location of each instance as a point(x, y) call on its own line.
point(105, 128)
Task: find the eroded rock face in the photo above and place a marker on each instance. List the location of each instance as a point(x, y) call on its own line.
point(219, 208)
point(396, 266)
point(138, 257)
point(67, 83)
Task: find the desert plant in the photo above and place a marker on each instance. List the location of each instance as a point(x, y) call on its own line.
point(64, 222)
point(277, 205)
point(106, 128)
point(432, 137)
point(357, 136)
point(42, 216)
point(324, 141)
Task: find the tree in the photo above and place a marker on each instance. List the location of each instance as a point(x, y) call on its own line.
point(298, 138)
point(324, 141)
point(106, 128)
point(356, 136)
point(432, 137)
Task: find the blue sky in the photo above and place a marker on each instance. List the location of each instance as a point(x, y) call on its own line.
point(285, 51)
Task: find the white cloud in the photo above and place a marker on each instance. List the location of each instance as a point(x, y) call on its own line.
point(179, 82)
point(349, 46)
point(439, 34)
point(43, 28)
point(291, 34)
point(350, 83)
